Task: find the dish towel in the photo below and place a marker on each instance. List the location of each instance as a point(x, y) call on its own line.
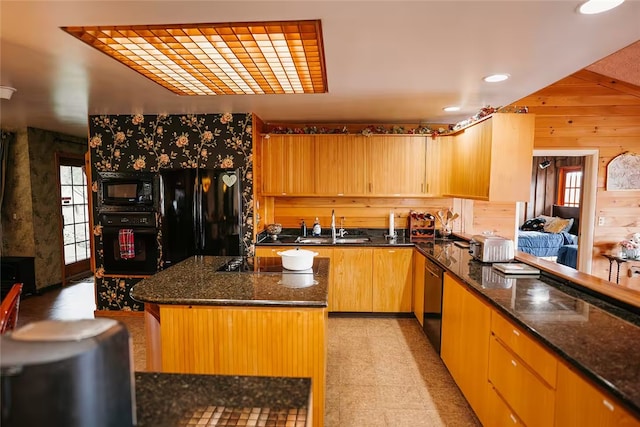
point(127, 248)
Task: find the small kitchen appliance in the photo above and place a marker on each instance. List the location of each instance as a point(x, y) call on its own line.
point(489, 248)
point(128, 191)
point(70, 373)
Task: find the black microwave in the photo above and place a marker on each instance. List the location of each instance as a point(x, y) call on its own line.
point(128, 191)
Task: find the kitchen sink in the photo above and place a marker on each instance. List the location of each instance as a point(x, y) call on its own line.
point(314, 240)
point(353, 240)
point(327, 240)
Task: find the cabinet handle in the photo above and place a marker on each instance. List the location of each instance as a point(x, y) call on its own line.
point(516, 333)
point(608, 404)
point(340, 194)
point(422, 187)
point(392, 252)
point(513, 362)
point(370, 187)
point(514, 419)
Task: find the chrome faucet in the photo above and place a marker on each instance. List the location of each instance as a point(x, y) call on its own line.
point(342, 231)
point(333, 227)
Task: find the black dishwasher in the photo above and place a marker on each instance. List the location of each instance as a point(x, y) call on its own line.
point(433, 302)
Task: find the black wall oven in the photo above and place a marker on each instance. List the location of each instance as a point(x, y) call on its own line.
point(130, 243)
point(128, 191)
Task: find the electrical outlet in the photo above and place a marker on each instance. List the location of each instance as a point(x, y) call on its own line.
point(600, 220)
point(633, 271)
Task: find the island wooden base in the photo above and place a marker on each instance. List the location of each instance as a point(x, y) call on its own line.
point(263, 341)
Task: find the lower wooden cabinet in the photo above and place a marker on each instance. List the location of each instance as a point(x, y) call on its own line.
point(364, 279)
point(392, 280)
point(498, 412)
point(509, 377)
point(466, 324)
point(580, 404)
point(352, 289)
point(530, 398)
point(418, 286)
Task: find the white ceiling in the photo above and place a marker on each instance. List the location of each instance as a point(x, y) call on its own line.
point(387, 61)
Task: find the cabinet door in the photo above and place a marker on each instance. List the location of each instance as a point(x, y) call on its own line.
point(341, 167)
point(392, 280)
point(288, 165)
point(418, 286)
point(438, 165)
point(396, 165)
point(580, 404)
point(471, 165)
point(466, 324)
point(352, 279)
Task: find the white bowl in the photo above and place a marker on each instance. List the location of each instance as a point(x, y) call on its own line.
point(297, 259)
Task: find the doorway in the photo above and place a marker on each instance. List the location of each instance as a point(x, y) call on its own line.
point(74, 211)
point(588, 202)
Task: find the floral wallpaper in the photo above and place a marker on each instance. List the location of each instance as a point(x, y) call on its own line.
point(150, 143)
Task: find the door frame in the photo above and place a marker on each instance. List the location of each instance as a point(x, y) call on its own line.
point(67, 272)
point(588, 204)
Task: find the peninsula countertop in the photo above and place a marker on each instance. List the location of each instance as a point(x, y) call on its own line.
point(597, 338)
point(189, 399)
point(196, 281)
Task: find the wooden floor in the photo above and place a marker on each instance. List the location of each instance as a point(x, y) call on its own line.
point(380, 371)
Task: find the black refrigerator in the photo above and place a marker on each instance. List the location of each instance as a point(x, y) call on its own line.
point(201, 213)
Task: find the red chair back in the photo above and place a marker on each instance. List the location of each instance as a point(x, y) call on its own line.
point(9, 309)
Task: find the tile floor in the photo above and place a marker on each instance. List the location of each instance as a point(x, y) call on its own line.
point(380, 371)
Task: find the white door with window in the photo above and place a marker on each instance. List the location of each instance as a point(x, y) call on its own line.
point(74, 203)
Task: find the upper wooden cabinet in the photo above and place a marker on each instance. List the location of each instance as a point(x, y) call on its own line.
point(288, 165)
point(343, 165)
point(396, 165)
point(341, 168)
point(438, 164)
point(491, 159)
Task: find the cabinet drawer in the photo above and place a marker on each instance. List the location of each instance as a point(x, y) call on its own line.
point(499, 412)
point(530, 398)
point(532, 353)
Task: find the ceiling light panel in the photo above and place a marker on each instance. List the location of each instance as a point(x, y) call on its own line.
point(219, 59)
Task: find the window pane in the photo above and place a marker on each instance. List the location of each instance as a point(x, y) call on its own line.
point(80, 232)
point(65, 175)
point(65, 194)
point(78, 197)
point(68, 232)
point(81, 251)
point(69, 254)
point(67, 214)
point(79, 213)
point(78, 176)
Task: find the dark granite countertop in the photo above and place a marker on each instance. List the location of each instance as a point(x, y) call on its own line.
point(195, 281)
point(175, 399)
point(600, 340)
point(377, 237)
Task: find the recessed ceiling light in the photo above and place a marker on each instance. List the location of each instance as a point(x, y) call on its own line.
point(451, 108)
point(591, 7)
point(6, 92)
point(494, 78)
point(242, 58)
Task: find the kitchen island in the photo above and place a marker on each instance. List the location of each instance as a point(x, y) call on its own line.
point(260, 322)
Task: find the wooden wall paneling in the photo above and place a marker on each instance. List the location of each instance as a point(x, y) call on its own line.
point(589, 111)
point(359, 212)
point(247, 341)
point(499, 218)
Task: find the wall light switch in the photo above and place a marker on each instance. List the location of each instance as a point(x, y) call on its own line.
point(600, 220)
point(633, 271)
point(15, 216)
